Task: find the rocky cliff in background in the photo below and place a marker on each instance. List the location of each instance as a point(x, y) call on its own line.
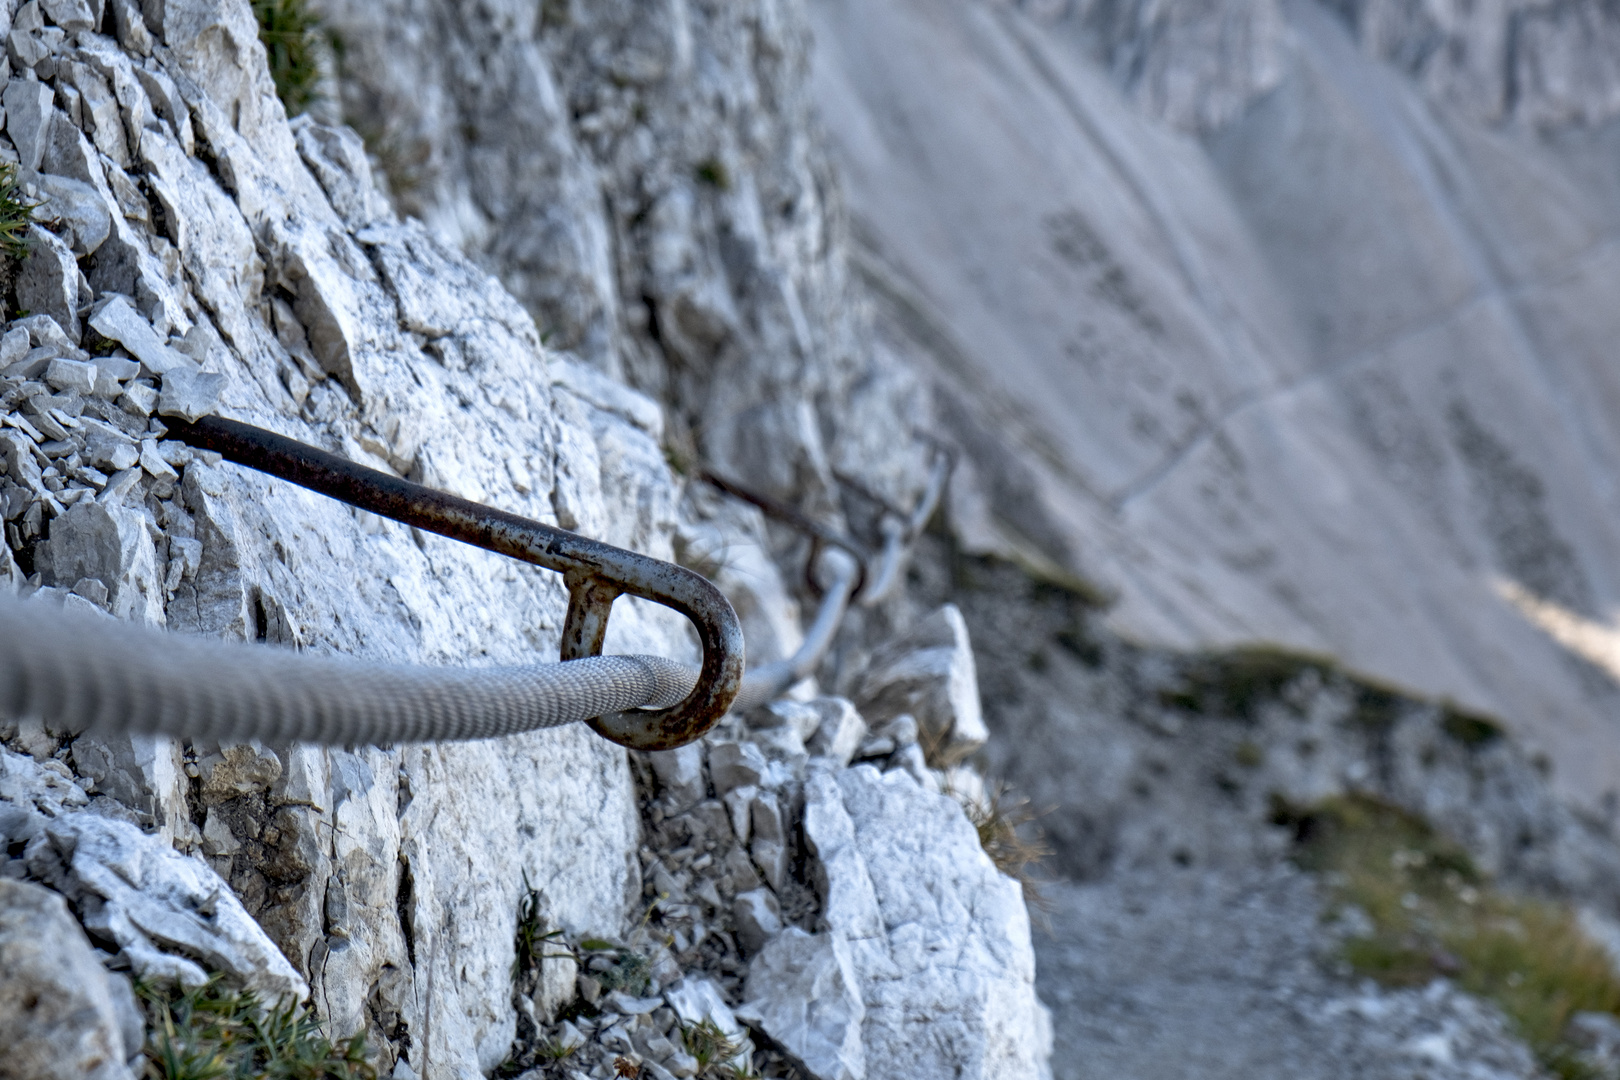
point(1283, 322)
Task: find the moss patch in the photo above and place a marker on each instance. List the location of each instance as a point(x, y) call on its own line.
point(1471, 729)
point(1236, 683)
point(216, 1033)
point(1434, 915)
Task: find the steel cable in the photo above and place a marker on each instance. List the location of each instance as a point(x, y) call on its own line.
point(81, 672)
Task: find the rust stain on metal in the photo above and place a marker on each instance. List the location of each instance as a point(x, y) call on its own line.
point(595, 573)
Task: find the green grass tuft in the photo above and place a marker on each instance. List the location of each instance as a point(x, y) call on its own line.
point(16, 214)
point(530, 941)
point(292, 38)
point(1434, 915)
point(215, 1033)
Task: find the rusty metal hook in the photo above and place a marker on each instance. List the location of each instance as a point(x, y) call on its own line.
point(595, 573)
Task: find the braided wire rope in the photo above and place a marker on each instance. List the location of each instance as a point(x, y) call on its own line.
point(81, 672)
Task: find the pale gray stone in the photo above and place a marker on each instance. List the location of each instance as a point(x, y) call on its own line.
point(928, 673)
point(57, 1002)
point(14, 345)
point(48, 281)
point(71, 15)
point(143, 772)
point(804, 992)
point(680, 775)
point(802, 717)
point(759, 918)
point(141, 893)
point(907, 885)
point(190, 395)
point(139, 399)
point(112, 545)
point(76, 207)
point(71, 375)
point(839, 731)
point(734, 765)
point(768, 842)
point(29, 113)
point(46, 333)
point(114, 318)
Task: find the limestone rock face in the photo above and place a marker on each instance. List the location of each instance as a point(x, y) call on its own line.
point(267, 276)
point(1332, 374)
point(929, 673)
point(647, 179)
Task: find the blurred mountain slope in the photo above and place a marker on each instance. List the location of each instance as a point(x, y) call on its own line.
point(1293, 346)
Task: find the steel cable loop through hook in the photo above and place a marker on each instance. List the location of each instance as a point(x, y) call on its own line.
point(595, 573)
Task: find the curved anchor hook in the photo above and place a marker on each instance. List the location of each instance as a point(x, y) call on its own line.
point(595, 573)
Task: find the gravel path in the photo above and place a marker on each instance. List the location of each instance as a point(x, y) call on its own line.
point(1215, 976)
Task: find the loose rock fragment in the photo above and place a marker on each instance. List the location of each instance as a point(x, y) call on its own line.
point(27, 101)
point(114, 318)
point(735, 765)
point(804, 992)
point(72, 375)
point(759, 918)
point(138, 891)
point(77, 208)
point(48, 280)
point(58, 1005)
point(839, 731)
point(190, 395)
point(929, 673)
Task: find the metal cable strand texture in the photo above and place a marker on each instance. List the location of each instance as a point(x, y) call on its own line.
point(87, 673)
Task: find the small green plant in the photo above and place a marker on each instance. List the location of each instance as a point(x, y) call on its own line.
point(529, 943)
point(291, 35)
point(712, 171)
point(556, 1051)
point(1434, 915)
point(16, 214)
point(216, 1033)
point(715, 1052)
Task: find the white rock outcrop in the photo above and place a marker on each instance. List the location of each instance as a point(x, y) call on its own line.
point(277, 281)
point(922, 964)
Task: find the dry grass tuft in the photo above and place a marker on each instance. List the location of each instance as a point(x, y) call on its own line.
point(1006, 826)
